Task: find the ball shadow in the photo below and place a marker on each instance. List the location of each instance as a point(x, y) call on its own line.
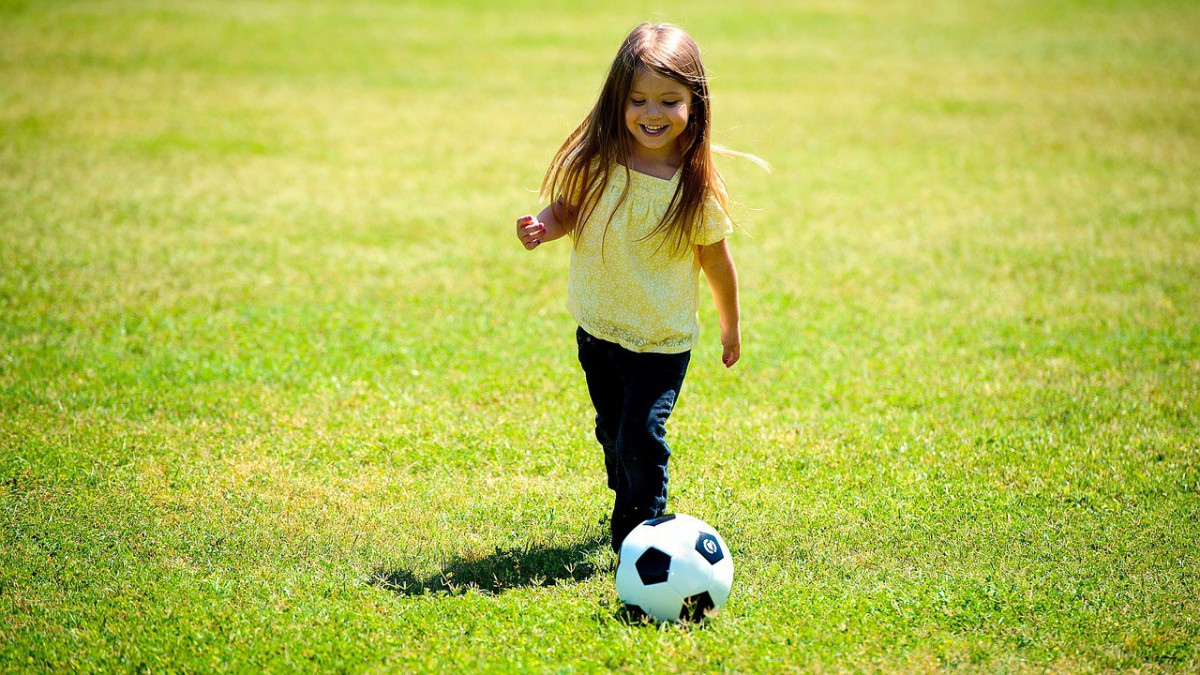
point(504, 570)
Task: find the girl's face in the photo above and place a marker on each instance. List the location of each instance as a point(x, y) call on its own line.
point(656, 113)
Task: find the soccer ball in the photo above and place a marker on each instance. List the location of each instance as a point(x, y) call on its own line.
point(674, 568)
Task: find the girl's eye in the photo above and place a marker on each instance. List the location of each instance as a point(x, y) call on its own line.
point(636, 102)
point(671, 104)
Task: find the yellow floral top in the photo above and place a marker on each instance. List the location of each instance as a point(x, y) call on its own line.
point(636, 293)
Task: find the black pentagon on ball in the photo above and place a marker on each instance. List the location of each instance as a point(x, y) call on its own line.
point(695, 607)
point(652, 566)
point(659, 520)
point(708, 546)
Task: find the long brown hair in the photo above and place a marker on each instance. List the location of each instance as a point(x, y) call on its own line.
point(583, 165)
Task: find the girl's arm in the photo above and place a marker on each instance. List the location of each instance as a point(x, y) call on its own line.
point(717, 263)
point(533, 231)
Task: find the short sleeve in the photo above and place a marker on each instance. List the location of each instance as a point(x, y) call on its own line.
point(717, 224)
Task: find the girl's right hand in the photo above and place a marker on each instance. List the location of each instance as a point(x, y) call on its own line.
point(529, 231)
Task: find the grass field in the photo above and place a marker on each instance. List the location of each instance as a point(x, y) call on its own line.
point(279, 388)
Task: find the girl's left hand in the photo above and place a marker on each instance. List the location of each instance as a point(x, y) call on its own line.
point(731, 346)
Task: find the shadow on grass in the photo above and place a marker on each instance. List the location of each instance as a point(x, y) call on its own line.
point(521, 567)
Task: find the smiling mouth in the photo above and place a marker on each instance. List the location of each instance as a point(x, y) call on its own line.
point(654, 131)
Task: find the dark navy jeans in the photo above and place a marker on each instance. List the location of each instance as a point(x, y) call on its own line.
point(634, 394)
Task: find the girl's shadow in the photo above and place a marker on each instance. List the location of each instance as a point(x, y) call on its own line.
point(520, 567)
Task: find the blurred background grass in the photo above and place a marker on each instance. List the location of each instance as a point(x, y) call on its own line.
point(269, 346)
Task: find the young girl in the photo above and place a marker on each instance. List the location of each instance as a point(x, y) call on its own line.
point(636, 189)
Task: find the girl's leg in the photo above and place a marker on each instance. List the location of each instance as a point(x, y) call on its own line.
point(651, 387)
point(633, 395)
point(607, 391)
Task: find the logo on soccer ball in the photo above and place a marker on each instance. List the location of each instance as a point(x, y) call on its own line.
point(709, 546)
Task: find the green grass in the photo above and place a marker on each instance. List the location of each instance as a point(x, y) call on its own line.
point(280, 389)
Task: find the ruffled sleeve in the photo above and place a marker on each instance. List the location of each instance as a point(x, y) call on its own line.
point(717, 224)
